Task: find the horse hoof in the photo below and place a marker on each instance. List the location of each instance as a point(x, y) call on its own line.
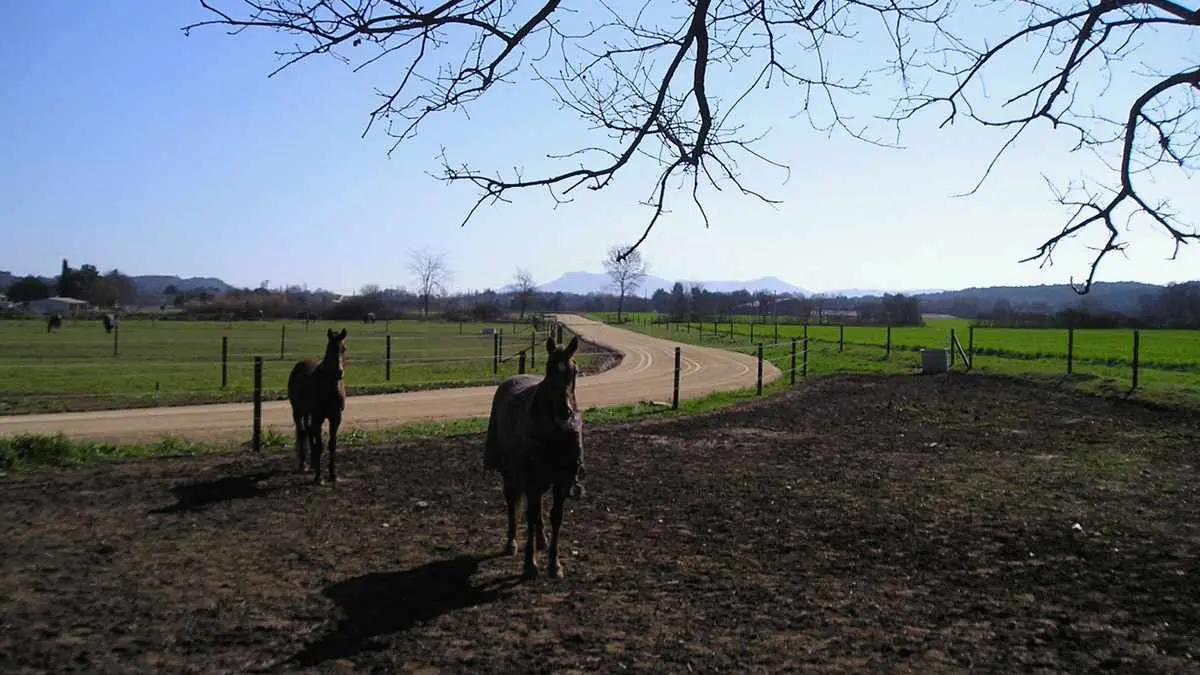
point(511, 547)
point(557, 571)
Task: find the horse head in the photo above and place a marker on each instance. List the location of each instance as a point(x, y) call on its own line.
point(559, 383)
point(335, 352)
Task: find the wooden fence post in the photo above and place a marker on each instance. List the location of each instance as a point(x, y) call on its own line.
point(495, 353)
point(971, 344)
point(776, 331)
point(758, 388)
point(1070, 349)
point(521, 363)
point(1137, 348)
point(953, 341)
point(793, 369)
point(533, 349)
point(116, 340)
point(888, 346)
point(751, 331)
point(282, 340)
point(387, 358)
point(256, 436)
point(560, 335)
point(804, 361)
point(841, 337)
point(224, 361)
point(675, 388)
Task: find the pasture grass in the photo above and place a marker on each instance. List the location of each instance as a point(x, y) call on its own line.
point(1169, 361)
point(180, 362)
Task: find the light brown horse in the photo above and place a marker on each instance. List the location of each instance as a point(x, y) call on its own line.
point(317, 392)
point(535, 441)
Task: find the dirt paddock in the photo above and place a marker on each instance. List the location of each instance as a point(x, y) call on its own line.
point(881, 525)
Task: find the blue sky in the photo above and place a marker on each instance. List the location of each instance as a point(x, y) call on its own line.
point(125, 143)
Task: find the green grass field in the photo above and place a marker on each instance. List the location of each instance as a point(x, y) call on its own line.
point(173, 362)
point(1169, 360)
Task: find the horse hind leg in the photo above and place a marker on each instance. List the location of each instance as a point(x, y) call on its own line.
point(334, 423)
point(556, 570)
point(533, 509)
point(512, 500)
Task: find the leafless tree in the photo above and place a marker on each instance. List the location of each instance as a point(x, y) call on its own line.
point(431, 274)
point(627, 270)
point(661, 84)
point(1138, 115)
point(524, 288)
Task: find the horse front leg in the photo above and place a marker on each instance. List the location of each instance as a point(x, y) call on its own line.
point(314, 443)
point(539, 539)
point(335, 421)
point(533, 509)
point(301, 440)
point(556, 516)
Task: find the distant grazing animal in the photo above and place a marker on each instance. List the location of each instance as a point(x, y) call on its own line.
point(110, 322)
point(54, 322)
point(369, 318)
point(260, 315)
point(535, 441)
point(317, 392)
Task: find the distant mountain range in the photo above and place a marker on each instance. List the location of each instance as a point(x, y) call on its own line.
point(583, 283)
point(594, 282)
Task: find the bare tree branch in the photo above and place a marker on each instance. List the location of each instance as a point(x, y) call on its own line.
point(641, 77)
point(1160, 124)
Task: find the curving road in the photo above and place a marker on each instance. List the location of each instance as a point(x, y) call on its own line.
point(645, 373)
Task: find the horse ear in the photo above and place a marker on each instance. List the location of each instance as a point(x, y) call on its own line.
point(550, 345)
point(572, 345)
point(329, 333)
point(343, 335)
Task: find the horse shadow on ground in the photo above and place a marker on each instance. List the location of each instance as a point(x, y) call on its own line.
point(384, 603)
point(192, 496)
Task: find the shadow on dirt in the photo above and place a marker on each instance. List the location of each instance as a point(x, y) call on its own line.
point(382, 603)
point(194, 496)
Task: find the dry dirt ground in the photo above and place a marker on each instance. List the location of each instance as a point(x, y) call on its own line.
point(881, 525)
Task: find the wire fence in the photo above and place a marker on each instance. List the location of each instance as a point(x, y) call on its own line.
point(139, 363)
point(1161, 362)
point(145, 371)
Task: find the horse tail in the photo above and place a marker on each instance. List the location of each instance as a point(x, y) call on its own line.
point(491, 445)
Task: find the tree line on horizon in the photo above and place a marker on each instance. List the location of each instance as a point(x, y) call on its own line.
point(1111, 305)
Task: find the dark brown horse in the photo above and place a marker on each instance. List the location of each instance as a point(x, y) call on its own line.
point(535, 441)
point(317, 392)
point(54, 322)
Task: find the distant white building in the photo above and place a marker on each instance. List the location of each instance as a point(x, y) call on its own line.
point(58, 305)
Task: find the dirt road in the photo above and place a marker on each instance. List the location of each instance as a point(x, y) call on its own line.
point(645, 373)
